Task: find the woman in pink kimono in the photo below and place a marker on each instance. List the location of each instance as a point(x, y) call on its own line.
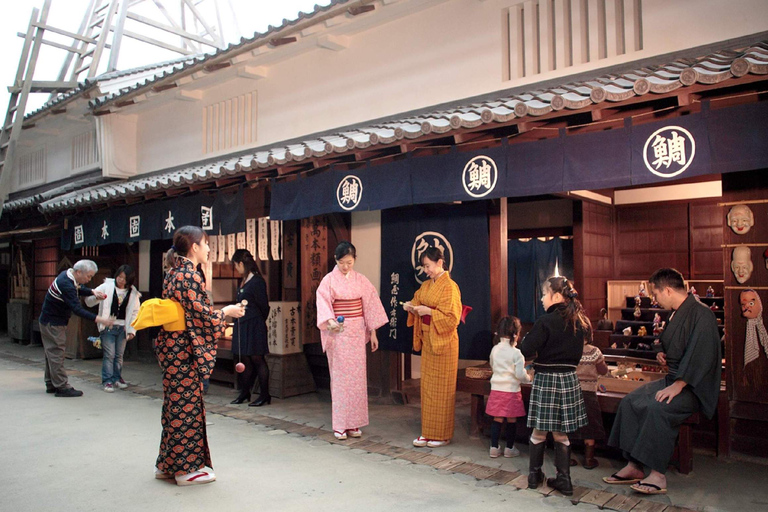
point(348, 313)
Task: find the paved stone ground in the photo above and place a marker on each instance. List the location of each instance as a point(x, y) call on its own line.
point(285, 449)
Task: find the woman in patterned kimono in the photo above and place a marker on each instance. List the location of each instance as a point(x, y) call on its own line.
point(187, 358)
point(434, 312)
point(348, 294)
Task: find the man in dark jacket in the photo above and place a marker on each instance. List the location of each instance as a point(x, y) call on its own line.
point(649, 418)
point(60, 302)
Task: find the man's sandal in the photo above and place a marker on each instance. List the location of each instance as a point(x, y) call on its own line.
point(654, 489)
point(615, 479)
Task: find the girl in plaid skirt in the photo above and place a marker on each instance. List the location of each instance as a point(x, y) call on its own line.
point(556, 341)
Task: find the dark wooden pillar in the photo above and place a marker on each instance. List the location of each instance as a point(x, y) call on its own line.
point(498, 265)
point(746, 385)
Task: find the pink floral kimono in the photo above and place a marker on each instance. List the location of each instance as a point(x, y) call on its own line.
point(354, 297)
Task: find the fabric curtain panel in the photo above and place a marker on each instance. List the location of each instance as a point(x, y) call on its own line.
point(531, 263)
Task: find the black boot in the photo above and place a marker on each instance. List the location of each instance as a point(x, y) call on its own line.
point(245, 390)
point(536, 460)
point(563, 465)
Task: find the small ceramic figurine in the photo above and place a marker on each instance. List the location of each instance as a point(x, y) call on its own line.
point(693, 291)
point(741, 264)
point(658, 328)
point(740, 219)
point(654, 303)
point(710, 291)
point(604, 324)
point(643, 346)
point(637, 312)
point(642, 331)
point(641, 292)
point(627, 331)
point(714, 307)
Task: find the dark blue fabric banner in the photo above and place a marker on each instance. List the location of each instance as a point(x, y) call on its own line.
point(671, 149)
point(462, 232)
point(529, 265)
point(156, 220)
point(597, 160)
point(458, 176)
point(534, 168)
point(739, 137)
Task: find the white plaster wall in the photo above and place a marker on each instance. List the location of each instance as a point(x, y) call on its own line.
point(439, 54)
point(56, 139)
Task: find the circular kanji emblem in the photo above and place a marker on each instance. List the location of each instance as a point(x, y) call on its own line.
point(479, 176)
point(349, 192)
point(669, 151)
point(421, 243)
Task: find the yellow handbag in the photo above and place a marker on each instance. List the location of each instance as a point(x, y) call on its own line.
point(156, 312)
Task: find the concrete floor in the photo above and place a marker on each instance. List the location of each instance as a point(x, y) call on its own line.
point(96, 451)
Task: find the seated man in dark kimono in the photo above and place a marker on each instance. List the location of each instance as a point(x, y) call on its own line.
point(649, 418)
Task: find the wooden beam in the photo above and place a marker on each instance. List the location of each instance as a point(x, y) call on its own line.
point(210, 68)
point(498, 264)
point(281, 41)
point(126, 103)
point(164, 87)
point(361, 9)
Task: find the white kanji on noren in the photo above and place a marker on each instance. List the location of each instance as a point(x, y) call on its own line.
point(206, 215)
point(134, 224)
point(104, 231)
point(669, 151)
point(169, 226)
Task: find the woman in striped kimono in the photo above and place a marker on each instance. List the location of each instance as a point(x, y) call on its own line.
point(348, 313)
point(434, 313)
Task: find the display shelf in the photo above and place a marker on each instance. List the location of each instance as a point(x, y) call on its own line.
point(647, 314)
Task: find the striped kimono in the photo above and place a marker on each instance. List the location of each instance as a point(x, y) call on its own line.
point(438, 341)
point(353, 297)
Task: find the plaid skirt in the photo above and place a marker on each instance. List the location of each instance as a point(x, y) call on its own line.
point(556, 403)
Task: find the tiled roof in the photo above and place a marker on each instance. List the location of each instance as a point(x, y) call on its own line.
point(714, 68)
point(165, 69)
point(202, 59)
point(35, 199)
point(104, 80)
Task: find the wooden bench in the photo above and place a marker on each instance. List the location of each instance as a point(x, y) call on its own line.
point(609, 402)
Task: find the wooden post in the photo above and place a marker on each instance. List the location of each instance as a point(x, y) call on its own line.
point(314, 266)
point(497, 223)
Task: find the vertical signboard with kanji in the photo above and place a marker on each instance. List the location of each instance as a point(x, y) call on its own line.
point(314, 266)
point(290, 255)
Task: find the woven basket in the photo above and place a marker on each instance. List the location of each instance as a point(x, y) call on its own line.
point(479, 372)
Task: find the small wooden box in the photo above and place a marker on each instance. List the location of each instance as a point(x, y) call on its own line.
point(633, 381)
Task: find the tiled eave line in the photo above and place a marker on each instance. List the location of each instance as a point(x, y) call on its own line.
point(190, 64)
point(523, 111)
point(222, 57)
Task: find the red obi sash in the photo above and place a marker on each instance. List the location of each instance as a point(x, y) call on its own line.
point(348, 308)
